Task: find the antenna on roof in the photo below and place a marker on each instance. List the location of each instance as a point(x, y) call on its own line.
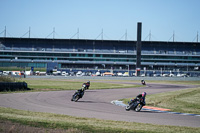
point(172, 37)
point(197, 37)
point(5, 32)
point(150, 35)
point(101, 34)
point(52, 33)
point(77, 33)
point(125, 35)
point(28, 32)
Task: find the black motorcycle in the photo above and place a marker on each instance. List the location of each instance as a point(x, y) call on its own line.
point(87, 85)
point(143, 82)
point(77, 95)
point(135, 105)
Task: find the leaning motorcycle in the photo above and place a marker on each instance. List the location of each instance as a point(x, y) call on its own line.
point(135, 105)
point(77, 95)
point(143, 82)
point(87, 85)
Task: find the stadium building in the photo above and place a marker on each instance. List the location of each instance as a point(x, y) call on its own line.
point(83, 54)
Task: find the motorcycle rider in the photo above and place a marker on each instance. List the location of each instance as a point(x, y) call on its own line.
point(87, 84)
point(82, 90)
point(143, 82)
point(141, 98)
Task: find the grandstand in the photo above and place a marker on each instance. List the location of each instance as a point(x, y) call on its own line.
point(83, 54)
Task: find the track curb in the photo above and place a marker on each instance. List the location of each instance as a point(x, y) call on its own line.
point(161, 110)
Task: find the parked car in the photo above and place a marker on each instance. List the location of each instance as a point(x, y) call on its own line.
point(165, 75)
point(79, 73)
point(108, 74)
point(98, 73)
point(182, 75)
point(63, 73)
point(119, 74)
point(171, 75)
point(156, 75)
point(126, 74)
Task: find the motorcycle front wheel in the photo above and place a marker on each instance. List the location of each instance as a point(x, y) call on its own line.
point(138, 107)
point(128, 107)
point(76, 98)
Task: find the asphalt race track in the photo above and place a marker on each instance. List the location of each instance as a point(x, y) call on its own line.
point(97, 104)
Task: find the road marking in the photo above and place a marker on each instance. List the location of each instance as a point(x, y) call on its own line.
point(155, 109)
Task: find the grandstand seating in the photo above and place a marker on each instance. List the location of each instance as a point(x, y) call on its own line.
point(98, 51)
point(105, 47)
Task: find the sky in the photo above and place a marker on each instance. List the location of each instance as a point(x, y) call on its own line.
point(97, 19)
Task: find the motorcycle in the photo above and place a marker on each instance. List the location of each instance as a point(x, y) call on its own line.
point(143, 82)
point(135, 105)
point(77, 95)
point(87, 85)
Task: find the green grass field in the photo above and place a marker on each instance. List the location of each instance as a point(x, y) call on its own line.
point(61, 84)
point(77, 124)
point(186, 100)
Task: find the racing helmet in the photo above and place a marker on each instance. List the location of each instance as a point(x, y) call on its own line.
point(88, 82)
point(144, 94)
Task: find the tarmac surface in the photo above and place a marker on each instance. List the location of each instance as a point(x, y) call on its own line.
point(97, 104)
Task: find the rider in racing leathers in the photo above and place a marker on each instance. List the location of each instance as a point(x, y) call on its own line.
point(82, 90)
point(143, 82)
point(141, 97)
point(87, 84)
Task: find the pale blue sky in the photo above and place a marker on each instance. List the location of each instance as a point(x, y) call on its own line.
point(160, 17)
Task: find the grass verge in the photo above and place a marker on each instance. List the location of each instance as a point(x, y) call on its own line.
point(61, 84)
point(77, 124)
point(184, 101)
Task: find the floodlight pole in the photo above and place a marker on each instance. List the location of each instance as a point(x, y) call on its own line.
point(138, 48)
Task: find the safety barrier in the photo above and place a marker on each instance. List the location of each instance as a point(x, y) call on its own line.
point(13, 86)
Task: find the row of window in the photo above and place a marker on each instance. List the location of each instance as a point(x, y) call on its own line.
point(20, 64)
point(66, 54)
point(78, 55)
